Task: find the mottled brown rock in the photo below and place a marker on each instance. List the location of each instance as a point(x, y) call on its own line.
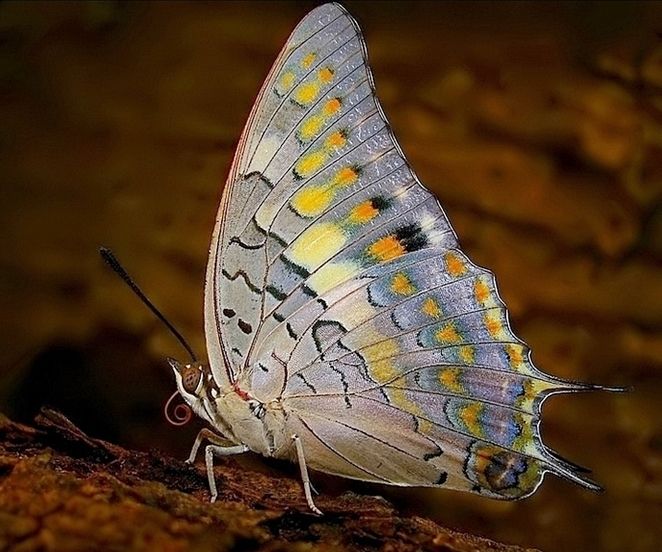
point(62, 490)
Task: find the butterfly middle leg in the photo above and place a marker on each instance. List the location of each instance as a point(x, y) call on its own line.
point(216, 450)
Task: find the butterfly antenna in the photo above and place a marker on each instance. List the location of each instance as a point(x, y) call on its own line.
point(117, 267)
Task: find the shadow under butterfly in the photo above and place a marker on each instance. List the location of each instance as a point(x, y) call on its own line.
point(346, 330)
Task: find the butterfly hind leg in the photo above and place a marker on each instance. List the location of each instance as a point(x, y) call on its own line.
point(217, 448)
point(304, 475)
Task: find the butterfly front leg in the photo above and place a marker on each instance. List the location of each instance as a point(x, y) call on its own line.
point(217, 448)
point(304, 475)
point(204, 434)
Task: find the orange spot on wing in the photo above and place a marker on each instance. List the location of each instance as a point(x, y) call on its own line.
point(481, 291)
point(362, 213)
point(515, 355)
point(431, 308)
point(467, 354)
point(286, 81)
point(386, 248)
point(335, 140)
point(401, 284)
point(331, 107)
point(310, 128)
point(311, 201)
point(493, 324)
point(306, 93)
point(454, 264)
point(308, 60)
point(325, 75)
point(470, 416)
point(310, 163)
point(345, 177)
point(449, 378)
point(448, 334)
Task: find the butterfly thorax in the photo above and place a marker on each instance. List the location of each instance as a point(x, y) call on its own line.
point(260, 426)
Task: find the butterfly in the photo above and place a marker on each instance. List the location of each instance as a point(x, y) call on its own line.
point(346, 330)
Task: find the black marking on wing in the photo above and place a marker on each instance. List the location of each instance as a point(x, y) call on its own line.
point(280, 240)
point(395, 321)
point(237, 351)
point(297, 269)
point(278, 317)
point(292, 209)
point(237, 240)
point(244, 326)
point(276, 293)
point(322, 326)
point(261, 177)
point(322, 302)
point(381, 202)
point(229, 313)
point(308, 291)
point(411, 237)
point(290, 331)
point(345, 386)
point(244, 276)
point(436, 454)
point(262, 367)
point(449, 419)
point(372, 300)
point(468, 457)
point(443, 476)
point(307, 383)
point(359, 366)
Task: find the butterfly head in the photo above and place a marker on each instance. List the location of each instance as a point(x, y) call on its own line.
point(190, 380)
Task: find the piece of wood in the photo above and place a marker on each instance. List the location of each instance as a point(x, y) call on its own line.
point(63, 490)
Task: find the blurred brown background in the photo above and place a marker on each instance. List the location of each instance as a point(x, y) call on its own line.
point(539, 125)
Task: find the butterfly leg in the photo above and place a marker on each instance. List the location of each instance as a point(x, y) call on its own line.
point(203, 434)
point(304, 475)
point(216, 450)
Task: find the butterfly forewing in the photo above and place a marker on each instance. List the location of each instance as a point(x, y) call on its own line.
point(336, 285)
point(234, 301)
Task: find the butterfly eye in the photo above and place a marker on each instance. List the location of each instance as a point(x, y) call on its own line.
point(191, 378)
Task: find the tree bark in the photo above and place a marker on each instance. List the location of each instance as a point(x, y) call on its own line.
point(63, 490)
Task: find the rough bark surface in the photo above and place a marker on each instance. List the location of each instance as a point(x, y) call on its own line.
point(63, 490)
